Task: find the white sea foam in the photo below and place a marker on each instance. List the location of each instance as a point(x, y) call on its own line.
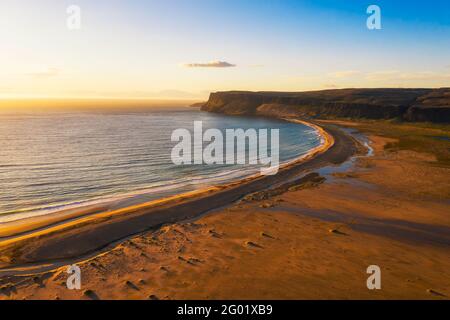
point(60, 162)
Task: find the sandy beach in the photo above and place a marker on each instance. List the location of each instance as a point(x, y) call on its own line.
point(225, 158)
point(311, 236)
point(77, 232)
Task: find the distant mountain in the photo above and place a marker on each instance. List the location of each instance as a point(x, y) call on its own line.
point(431, 105)
point(198, 104)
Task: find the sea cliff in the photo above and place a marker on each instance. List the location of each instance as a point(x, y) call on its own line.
point(432, 105)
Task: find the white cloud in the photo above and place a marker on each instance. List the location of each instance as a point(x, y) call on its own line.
point(44, 73)
point(393, 75)
point(344, 74)
point(406, 76)
point(179, 94)
point(256, 66)
point(382, 75)
point(212, 64)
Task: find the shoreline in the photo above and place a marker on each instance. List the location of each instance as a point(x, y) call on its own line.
point(55, 241)
point(35, 223)
point(89, 206)
point(323, 223)
point(124, 199)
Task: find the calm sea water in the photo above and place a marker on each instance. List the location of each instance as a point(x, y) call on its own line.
point(50, 161)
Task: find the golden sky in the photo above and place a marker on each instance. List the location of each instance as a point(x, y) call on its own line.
point(184, 50)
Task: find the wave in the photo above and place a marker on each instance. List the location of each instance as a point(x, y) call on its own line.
point(159, 189)
point(117, 184)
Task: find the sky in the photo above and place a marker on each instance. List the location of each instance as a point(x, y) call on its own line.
point(181, 49)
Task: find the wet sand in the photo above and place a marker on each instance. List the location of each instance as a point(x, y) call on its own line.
point(310, 238)
point(75, 233)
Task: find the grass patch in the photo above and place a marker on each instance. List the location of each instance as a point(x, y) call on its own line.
point(420, 137)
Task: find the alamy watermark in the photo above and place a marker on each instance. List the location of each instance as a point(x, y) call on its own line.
point(74, 280)
point(231, 149)
point(73, 21)
point(374, 280)
point(374, 20)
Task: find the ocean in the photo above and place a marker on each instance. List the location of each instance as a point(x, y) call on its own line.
point(51, 161)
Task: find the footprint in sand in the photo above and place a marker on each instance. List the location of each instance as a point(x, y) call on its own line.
point(214, 234)
point(39, 282)
point(131, 285)
point(162, 268)
point(435, 293)
point(194, 261)
point(91, 294)
point(252, 244)
point(98, 266)
point(7, 289)
point(336, 231)
point(263, 234)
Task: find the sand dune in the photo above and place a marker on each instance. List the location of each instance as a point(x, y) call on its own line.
point(309, 239)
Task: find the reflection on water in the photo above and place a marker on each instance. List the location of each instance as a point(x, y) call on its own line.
point(60, 160)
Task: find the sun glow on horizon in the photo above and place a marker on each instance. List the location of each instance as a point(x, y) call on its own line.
point(86, 104)
point(146, 50)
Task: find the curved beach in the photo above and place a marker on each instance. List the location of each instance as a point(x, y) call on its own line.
point(80, 232)
point(321, 222)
